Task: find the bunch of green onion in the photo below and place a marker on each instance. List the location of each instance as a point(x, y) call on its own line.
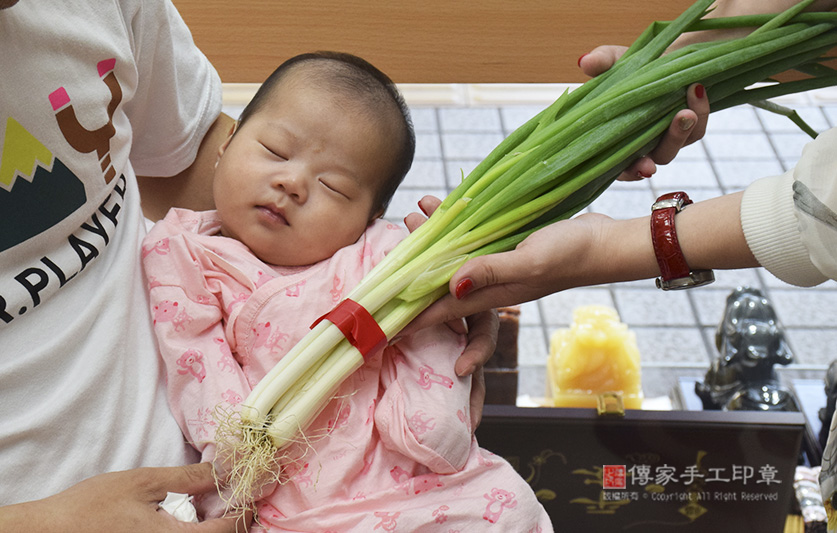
point(549, 169)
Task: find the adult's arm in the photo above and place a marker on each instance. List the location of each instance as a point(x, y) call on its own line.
point(591, 249)
point(191, 188)
point(119, 502)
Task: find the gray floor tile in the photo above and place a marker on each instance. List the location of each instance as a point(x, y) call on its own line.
point(530, 314)
point(515, 116)
point(739, 119)
point(806, 308)
point(428, 145)
point(737, 175)
point(424, 119)
point(469, 119)
point(670, 345)
point(774, 122)
point(693, 152)
point(675, 331)
point(457, 169)
point(406, 200)
point(623, 203)
point(426, 173)
point(731, 279)
point(469, 145)
point(813, 346)
point(557, 309)
point(684, 175)
point(533, 347)
point(751, 145)
point(789, 145)
point(654, 308)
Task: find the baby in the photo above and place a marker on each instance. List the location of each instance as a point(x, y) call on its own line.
point(300, 186)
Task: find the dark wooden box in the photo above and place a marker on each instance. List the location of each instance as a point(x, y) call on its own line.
point(652, 471)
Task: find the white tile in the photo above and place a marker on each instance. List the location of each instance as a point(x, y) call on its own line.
point(699, 194)
point(692, 152)
point(406, 200)
point(515, 116)
point(812, 346)
point(428, 146)
point(468, 119)
point(739, 118)
point(424, 119)
point(531, 381)
point(670, 345)
point(806, 307)
point(469, 145)
point(624, 203)
point(710, 303)
point(738, 174)
point(831, 115)
point(426, 173)
point(654, 307)
point(789, 145)
point(774, 122)
point(532, 346)
point(530, 314)
point(557, 309)
point(738, 146)
point(457, 169)
point(731, 279)
point(685, 175)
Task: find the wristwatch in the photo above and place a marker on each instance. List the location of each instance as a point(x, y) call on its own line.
point(674, 270)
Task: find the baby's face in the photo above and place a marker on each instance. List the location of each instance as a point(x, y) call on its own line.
point(298, 180)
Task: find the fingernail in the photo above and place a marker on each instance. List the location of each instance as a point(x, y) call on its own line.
point(466, 372)
point(580, 58)
point(641, 174)
point(463, 288)
point(422, 209)
point(700, 91)
point(686, 123)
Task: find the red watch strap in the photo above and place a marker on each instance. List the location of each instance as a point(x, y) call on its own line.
point(664, 236)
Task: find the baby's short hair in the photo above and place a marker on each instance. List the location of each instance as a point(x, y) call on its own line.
point(373, 90)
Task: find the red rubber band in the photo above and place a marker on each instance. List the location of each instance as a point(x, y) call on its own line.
point(359, 327)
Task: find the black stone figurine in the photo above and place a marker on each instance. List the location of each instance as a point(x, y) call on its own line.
point(749, 341)
point(827, 412)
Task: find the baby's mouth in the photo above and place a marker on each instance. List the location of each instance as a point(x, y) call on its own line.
point(274, 214)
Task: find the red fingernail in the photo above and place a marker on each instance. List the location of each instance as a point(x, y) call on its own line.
point(463, 288)
point(642, 174)
point(422, 209)
point(580, 58)
point(699, 91)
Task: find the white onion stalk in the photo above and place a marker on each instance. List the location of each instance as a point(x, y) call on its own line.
point(547, 170)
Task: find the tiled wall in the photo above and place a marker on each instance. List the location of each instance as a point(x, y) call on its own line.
point(457, 126)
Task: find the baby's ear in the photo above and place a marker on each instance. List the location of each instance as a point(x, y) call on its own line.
point(378, 214)
point(226, 143)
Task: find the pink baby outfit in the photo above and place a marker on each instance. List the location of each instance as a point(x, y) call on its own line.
point(392, 452)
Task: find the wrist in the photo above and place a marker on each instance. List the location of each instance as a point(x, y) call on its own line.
point(625, 251)
point(21, 517)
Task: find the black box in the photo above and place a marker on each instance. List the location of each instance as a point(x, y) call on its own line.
point(652, 471)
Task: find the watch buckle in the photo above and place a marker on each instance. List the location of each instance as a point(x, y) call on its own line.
point(696, 278)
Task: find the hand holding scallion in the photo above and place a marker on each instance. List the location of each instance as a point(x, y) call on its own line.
point(547, 170)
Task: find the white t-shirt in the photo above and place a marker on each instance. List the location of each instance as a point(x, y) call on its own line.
point(84, 87)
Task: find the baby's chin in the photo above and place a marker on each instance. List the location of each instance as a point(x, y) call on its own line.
point(293, 258)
